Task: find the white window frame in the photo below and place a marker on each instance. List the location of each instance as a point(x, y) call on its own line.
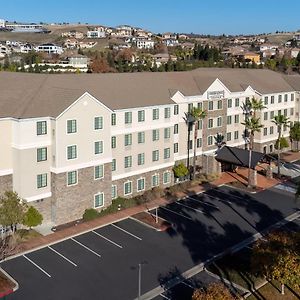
point(72, 184)
point(116, 191)
point(102, 172)
point(101, 117)
point(76, 152)
point(137, 184)
point(126, 182)
point(167, 172)
point(155, 175)
point(100, 142)
point(70, 120)
point(100, 193)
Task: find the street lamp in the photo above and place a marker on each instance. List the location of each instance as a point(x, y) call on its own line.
point(140, 278)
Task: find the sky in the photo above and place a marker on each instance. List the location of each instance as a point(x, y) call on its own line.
point(197, 16)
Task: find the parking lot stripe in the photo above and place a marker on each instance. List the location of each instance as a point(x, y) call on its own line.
point(87, 248)
point(203, 202)
point(188, 285)
point(165, 296)
point(217, 198)
point(198, 210)
point(36, 265)
point(105, 238)
point(174, 212)
point(129, 233)
point(229, 195)
point(65, 258)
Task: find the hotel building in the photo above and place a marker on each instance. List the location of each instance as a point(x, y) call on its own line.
point(72, 142)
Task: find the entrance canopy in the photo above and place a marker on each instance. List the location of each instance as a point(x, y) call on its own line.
point(238, 157)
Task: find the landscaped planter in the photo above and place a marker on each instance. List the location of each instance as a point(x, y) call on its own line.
point(7, 284)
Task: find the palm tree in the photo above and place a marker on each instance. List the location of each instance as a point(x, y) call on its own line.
point(256, 105)
point(252, 125)
point(247, 110)
point(219, 140)
point(192, 118)
point(279, 121)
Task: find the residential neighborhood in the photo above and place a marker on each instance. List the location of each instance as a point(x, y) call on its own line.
point(146, 164)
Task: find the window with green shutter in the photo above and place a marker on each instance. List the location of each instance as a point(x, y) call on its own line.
point(155, 135)
point(72, 152)
point(98, 123)
point(167, 133)
point(72, 178)
point(175, 128)
point(229, 103)
point(166, 153)
point(98, 147)
point(98, 172)
point(98, 200)
point(128, 161)
point(113, 142)
point(155, 180)
point(141, 116)
point(71, 126)
point(140, 184)
point(113, 164)
point(113, 119)
point(166, 177)
point(210, 105)
point(155, 155)
point(41, 180)
point(128, 117)
point(155, 114)
point(176, 109)
point(128, 139)
point(167, 112)
point(41, 154)
point(141, 159)
point(128, 188)
point(175, 147)
point(114, 193)
point(41, 127)
point(141, 137)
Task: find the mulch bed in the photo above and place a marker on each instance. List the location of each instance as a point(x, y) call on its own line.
point(6, 285)
point(150, 220)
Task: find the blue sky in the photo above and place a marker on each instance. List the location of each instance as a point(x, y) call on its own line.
point(198, 16)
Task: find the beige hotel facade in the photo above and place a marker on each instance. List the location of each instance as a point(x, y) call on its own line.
point(71, 142)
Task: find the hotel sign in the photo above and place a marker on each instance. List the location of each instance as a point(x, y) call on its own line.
point(215, 95)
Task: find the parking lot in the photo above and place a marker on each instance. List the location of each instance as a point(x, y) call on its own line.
point(103, 263)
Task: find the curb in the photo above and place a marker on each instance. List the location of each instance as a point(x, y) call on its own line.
point(12, 280)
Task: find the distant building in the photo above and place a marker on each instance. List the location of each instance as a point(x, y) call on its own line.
point(170, 42)
point(2, 23)
point(169, 35)
point(96, 33)
point(24, 27)
point(124, 31)
point(73, 34)
point(49, 48)
point(145, 44)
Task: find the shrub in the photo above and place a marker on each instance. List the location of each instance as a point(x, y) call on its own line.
point(90, 214)
point(282, 143)
point(32, 217)
point(180, 170)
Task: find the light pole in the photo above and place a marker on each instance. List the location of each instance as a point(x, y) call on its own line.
point(140, 278)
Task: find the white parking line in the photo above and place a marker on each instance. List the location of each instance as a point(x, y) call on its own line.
point(230, 195)
point(198, 210)
point(129, 233)
point(105, 238)
point(36, 265)
point(65, 258)
point(174, 212)
point(87, 248)
point(203, 202)
point(217, 198)
point(165, 296)
point(188, 285)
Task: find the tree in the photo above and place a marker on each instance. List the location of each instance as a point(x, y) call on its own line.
point(100, 65)
point(219, 140)
point(180, 170)
point(277, 258)
point(11, 210)
point(198, 115)
point(215, 291)
point(295, 134)
point(32, 217)
point(280, 121)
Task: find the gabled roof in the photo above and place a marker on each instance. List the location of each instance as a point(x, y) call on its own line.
point(238, 156)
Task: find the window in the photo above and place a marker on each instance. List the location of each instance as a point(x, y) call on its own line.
point(200, 124)
point(279, 98)
point(71, 126)
point(166, 177)
point(292, 111)
point(219, 121)
point(210, 105)
point(71, 178)
point(128, 161)
point(292, 97)
point(155, 135)
point(220, 104)
point(41, 180)
point(266, 116)
point(175, 128)
point(155, 180)
point(228, 136)
point(272, 115)
point(72, 152)
point(141, 137)
point(279, 112)
point(199, 142)
point(266, 100)
point(98, 172)
point(128, 139)
point(237, 102)
point(190, 144)
point(265, 131)
point(167, 133)
point(199, 105)
point(190, 107)
point(210, 123)
point(175, 147)
point(113, 119)
point(114, 193)
point(236, 119)
point(141, 159)
point(128, 188)
point(155, 155)
point(98, 200)
point(285, 97)
point(229, 103)
point(41, 127)
point(98, 147)
point(113, 142)
point(155, 114)
point(236, 135)
point(167, 112)
point(141, 184)
point(176, 110)
point(98, 123)
point(113, 164)
point(285, 112)
point(272, 99)
point(41, 154)
point(141, 116)
point(210, 140)
point(271, 130)
point(229, 120)
point(167, 153)
point(128, 117)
